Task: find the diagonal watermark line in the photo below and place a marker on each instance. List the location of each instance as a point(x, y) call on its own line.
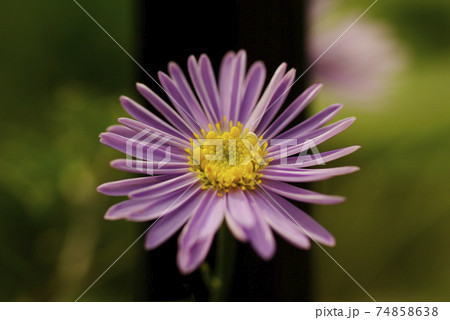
point(315, 61)
point(133, 59)
point(320, 246)
point(131, 245)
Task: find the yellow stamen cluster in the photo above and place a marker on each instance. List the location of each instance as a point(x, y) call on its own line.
point(227, 157)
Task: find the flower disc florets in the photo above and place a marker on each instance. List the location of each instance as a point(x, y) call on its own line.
point(228, 157)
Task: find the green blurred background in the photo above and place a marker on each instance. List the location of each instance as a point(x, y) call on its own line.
point(60, 79)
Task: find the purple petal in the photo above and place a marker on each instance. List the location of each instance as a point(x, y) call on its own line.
point(279, 96)
point(237, 231)
point(165, 204)
point(164, 109)
point(312, 123)
point(260, 236)
point(204, 224)
point(149, 209)
point(199, 86)
point(168, 224)
point(121, 131)
point(225, 82)
point(212, 221)
point(142, 114)
point(139, 149)
point(238, 75)
point(190, 258)
point(313, 138)
point(292, 111)
point(253, 85)
point(124, 187)
point(300, 194)
point(150, 168)
point(142, 130)
point(304, 175)
point(122, 209)
point(313, 160)
point(209, 82)
point(239, 208)
point(262, 104)
point(150, 165)
point(178, 102)
point(307, 224)
point(185, 90)
point(280, 221)
point(165, 187)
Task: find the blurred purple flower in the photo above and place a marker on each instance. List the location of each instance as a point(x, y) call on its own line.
point(364, 60)
point(199, 191)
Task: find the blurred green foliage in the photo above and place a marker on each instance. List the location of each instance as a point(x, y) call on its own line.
point(60, 82)
point(392, 233)
point(60, 79)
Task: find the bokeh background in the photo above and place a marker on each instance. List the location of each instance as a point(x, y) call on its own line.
point(60, 79)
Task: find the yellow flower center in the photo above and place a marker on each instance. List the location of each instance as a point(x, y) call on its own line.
point(228, 157)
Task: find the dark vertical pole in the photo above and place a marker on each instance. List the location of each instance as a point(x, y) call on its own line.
point(271, 31)
point(171, 31)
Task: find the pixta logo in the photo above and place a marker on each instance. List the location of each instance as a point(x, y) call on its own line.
point(147, 145)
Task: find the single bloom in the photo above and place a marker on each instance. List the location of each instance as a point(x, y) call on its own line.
point(223, 153)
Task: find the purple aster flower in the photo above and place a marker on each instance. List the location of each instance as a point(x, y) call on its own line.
point(221, 168)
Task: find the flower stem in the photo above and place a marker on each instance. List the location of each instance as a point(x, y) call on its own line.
point(224, 265)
